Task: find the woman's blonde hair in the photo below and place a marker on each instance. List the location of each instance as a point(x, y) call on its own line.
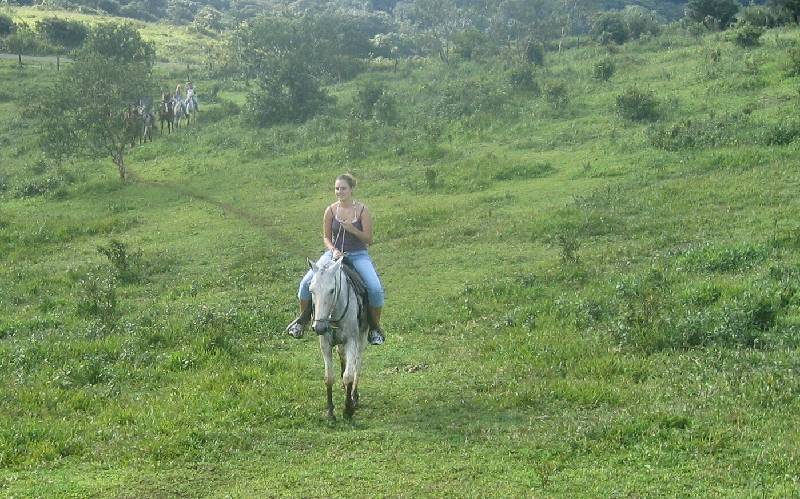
point(351, 180)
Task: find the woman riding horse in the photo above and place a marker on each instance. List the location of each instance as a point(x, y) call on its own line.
point(347, 233)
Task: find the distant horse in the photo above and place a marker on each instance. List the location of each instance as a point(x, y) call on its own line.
point(130, 117)
point(146, 120)
point(166, 114)
point(340, 320)
point(190, 108)
point(180, 112)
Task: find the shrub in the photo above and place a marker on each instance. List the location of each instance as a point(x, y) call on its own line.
point(640, 21)
point(714, 14)
point(747, 36)
point(289, 95)
point(126, 266)
point(534, 53)
point(373, 102)
point(521, 77)
point(603, 70)
point(557, 94)
point(761, 16)
point(97, 297)
point(63, 32)
point(467, 43)
point(793, 68)
point(637, 105)
point(6, 25)
point(466, 98)
point(610, 27)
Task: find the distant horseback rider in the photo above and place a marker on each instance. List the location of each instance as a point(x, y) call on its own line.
point(347, 233)
point(190, 94)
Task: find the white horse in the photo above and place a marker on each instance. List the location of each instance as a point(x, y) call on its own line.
point(339, 319)
point(180, 112)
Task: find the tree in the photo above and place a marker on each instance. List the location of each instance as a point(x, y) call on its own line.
point(62, 33)
point(7, 25)
point(713, 13)
point(21, 42)
point(86, 111)
point(792, 6)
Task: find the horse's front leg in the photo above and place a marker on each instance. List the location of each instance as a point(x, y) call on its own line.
point(350, 379)
point(327, 357)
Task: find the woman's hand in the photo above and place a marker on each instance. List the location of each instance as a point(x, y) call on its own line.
point(349, 227)
point(337, 254)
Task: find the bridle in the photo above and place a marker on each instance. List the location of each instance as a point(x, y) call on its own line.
point(337, 291)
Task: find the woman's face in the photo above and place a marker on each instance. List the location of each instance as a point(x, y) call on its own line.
point(343, 190)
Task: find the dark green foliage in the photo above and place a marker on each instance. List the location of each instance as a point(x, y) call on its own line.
point(522, 76)
point(524, 171)
point(7, 25)
point(724, 258)
point(291, 95)
point(779, 134)
point(604, 69)
point(83, 112)
point(62, 32)
point(610, 27)
point(468, 43)
point(126, 265)
point(747, 36)
point(372, 101)
point(714, 131)
point(556, 93)
point(637, 105)
point(534, 53)
point(790, 6)
point(762, 16)
point(119, 43)
point(468, 97)
point(793, 66)
point(97, 297)
point(715, 14)
point(640, 21)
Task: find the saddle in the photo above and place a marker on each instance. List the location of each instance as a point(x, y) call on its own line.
point(360, 288)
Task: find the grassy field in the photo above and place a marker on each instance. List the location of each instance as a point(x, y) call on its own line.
point(179, 45)
point(577, 304)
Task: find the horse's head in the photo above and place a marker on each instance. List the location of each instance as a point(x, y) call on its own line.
point(325, 288)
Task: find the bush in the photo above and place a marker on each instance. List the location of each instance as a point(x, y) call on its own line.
point(373, 102)
point(6, 25)
point(793, 68)
point(640, 21)
point(62, 32)
point(556, 94)
point(603, 70)
point(761, 16)
point(522, 77)
point(126, 266)
point(97, 297)
point(637, 105)
point(534, 53)
point(290, 95)
point(714, 14)
point(747, 36)
point(610, 27)
point(468, 97)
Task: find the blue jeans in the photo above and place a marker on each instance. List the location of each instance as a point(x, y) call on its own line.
point(360, 261)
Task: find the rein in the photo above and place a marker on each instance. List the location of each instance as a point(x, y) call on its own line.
point(336, 296)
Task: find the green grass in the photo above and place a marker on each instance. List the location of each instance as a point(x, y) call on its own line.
point(573, 308)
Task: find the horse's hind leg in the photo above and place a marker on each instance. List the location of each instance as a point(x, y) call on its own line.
point(349, 403)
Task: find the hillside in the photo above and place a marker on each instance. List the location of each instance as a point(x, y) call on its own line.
point(581, 300)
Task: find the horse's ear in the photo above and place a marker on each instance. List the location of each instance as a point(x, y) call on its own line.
point(312, 265)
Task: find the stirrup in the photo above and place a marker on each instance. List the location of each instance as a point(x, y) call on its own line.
point(376, 336)
point(296, 329)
